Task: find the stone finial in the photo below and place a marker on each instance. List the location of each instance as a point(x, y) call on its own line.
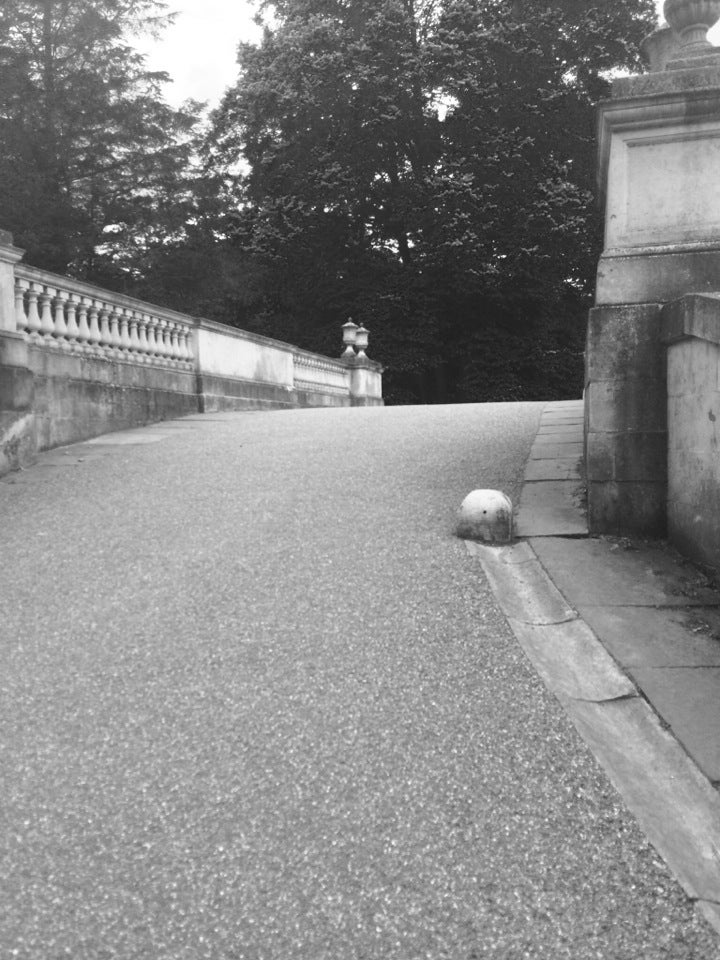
point(660, 48)
point(349, 330)
point(691, 20)
point(361, 340)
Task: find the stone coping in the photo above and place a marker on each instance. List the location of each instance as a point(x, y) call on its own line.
point(694, 315)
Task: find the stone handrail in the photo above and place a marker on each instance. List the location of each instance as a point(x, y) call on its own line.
point(79, 318)
point(310, 370)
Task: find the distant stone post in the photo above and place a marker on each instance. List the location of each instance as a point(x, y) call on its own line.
point(365, 374)
point(17, 437)
point(659, 175)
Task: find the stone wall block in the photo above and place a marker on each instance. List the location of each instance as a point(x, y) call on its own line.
point(694, 534)
point(623, 342)
point(693, 368)
point(692, 316)
point(627, 508)
point(659, 277)
point(627, 406)
point(633, 457)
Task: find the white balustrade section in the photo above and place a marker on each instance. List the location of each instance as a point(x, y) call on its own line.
point(313, 372)
point(77, 318)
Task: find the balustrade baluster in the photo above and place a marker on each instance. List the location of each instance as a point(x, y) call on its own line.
point(115, 313)
point(174, 344)
point(94, 327)
point(33, 325)
point(133, 333)
point(124, 330)
point(47, 327)
point(60, 323)
point(163, 339)
point(21, 287)
point(72, 325)
point(161, 334)
point(185, 348)
point(144, 346)
point(151, 333)
point(105, 333)
point(83, 334)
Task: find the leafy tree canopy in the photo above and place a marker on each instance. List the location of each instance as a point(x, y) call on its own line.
point(94, 165)
point(426, 166)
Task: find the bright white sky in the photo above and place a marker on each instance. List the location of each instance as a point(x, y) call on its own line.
point(199, 50)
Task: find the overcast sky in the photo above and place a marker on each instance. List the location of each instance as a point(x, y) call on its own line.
point(199, 50)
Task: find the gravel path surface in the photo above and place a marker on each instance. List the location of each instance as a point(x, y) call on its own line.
point(258, 704)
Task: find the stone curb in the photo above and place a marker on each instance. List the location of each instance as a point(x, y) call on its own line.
point(675, 804)
point(673, 800)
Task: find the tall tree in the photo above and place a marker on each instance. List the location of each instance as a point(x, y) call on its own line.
point(427, 166)
point(94, 165)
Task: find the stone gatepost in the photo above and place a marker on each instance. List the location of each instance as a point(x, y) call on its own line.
point(17, 429)
point(660, 178)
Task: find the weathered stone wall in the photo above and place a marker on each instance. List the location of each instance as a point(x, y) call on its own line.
point(81, 397)
point(77, 361)
point(659, 162)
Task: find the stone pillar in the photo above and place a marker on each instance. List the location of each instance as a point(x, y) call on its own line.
point(365, 382)
point(17, 429)
point(659, 177)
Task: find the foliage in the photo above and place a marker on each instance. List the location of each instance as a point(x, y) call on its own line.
point(94, 165)
point(426, 166)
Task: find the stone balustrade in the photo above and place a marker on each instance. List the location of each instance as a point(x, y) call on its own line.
point(77, 361)
point(311, 372)
point(77, 318)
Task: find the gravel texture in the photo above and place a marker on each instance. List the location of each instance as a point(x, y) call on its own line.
point(258, 704)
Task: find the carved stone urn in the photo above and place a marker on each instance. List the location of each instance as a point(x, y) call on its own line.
point(692, 19)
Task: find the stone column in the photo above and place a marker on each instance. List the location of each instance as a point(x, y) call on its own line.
point(659, 175)
point(17, 429)
point(365, 382)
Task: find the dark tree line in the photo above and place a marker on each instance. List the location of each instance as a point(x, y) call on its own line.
point(424, 166)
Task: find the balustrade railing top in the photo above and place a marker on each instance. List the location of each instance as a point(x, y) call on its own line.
point(78, 318)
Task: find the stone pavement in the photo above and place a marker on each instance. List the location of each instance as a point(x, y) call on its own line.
point(258, 703)
point(627, 634)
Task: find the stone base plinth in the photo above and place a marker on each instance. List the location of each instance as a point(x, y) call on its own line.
point(17, 393)
point(692, 334)
point(625, 420)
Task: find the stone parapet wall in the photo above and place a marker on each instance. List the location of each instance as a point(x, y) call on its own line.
point(77, 361)
point(76, 398)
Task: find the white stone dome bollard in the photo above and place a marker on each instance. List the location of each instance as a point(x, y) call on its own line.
point(486, 515)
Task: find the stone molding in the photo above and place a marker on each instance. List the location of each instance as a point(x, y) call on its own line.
point(692, 316)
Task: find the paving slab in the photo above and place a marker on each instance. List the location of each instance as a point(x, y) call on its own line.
point(523, 590)
point(566, 405)
point(645, 636)
point(564, 468)
point(687, 698)
point(676, 805)
point(601, 571)
point(561, 439)
point(128, 438)
point(551, 508)
point(572, 661)
point(561, 428)
point(659, 617)
point(551, 451)
point(549, 416)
